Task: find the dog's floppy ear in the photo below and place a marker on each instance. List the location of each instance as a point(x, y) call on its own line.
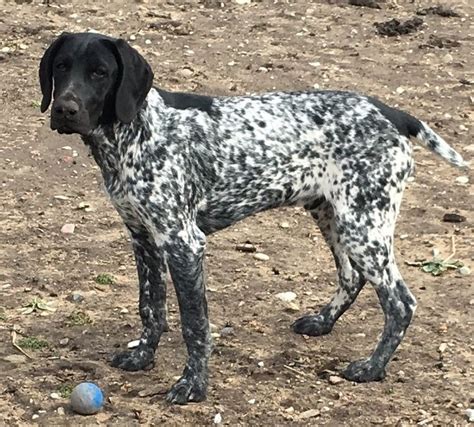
point(46, 70)
point(134, 81)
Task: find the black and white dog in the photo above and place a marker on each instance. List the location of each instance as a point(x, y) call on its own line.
point(179, 166)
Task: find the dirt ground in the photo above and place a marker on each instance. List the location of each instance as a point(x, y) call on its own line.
point(261, 373)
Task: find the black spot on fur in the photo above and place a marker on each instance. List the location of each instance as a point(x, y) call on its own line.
point(406, 124)
point(318, 119)
point(183, 101)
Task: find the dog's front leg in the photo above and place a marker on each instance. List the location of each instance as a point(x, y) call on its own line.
point(185, 256)
point(151, 268)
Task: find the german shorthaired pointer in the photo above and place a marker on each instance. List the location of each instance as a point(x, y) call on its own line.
point(179, 166)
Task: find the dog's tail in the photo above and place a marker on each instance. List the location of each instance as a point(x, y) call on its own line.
point(438, 145)
point(408, 126)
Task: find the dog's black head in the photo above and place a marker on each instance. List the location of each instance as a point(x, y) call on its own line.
point(96, 80)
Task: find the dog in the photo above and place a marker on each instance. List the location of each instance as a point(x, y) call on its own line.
point(178, 167)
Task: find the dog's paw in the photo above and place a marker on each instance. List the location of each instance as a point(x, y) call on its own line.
point(363, 371)
point(141, 358)
point(314, 325)
point(187, 389)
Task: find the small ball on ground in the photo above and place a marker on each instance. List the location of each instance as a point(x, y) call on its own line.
point(87, 399)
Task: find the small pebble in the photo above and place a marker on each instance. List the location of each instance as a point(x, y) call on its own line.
point(227, 331)
point(64, 342)
point(61, 411)
point(133, 344)
point(403, 236)
point(286, 296)
point(246, 247)
point(465, 271)
point(453, 217)
point(55, 396)
point(448, 58)
point(435, 252)
point(76, 297)
point(462, 179)
point(68, 228)
point(124, 311)
point(442, 347)
point(252, 401)
point(284, 225)
point(292, 307)
point(217, 418)
point(35, 417)
point(261, 257)
point(261, 364)
point(334, 379)
point(470, 415)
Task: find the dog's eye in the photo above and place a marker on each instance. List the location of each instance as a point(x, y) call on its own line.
point(98, 73)
point(61, 66)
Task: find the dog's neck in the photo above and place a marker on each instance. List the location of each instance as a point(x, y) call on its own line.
point(108, 142)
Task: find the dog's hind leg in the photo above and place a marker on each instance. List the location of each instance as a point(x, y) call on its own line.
point(351, 280)
point(369, 243)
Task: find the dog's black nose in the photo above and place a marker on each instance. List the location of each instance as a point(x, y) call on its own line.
point(66, 108)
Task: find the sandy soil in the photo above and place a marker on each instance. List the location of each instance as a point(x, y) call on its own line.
point(225, 48)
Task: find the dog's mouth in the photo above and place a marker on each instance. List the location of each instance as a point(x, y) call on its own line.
point(69, 128)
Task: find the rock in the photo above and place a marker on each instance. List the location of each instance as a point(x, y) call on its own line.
point(435, 252)
point(15, 358)
point(284, 224)
point(55, 396)
point(309, 414)
point(68, 228)
point(35, 417)
point(470, 415)
point(61, 411)
point(75, 297)
point(242, 2)
point(251, 401)
point(292, 307)
point(334, 379)
point(246, 247)
point(464, 271)
point(286, 296)
point(442, 347)
point(448, 58)
point(260, 364)
point(186, 72)
point(453, 217)
point(462, 179)
point(403, 236)
point(133, 344)
point(227, 331)
point(217, 418)
point(124, 311)
point(261, 257)
point(64, 342)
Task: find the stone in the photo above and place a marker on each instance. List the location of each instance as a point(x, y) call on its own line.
point(68, 228)
point(334, 379)
point(261, 257)
point(286, 296)
point(462, 179)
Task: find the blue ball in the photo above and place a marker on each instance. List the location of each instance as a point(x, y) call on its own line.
point(87, 399)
